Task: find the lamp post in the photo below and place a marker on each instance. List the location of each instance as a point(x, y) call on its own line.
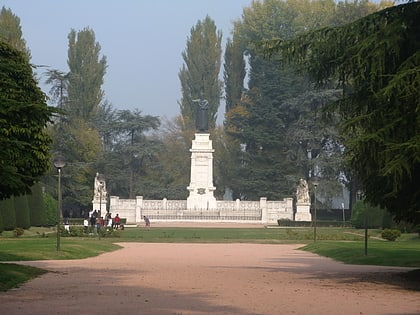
point(359, 195)
point(59, 163)
point(315, 182)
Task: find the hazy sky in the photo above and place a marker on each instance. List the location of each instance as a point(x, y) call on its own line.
point(142, 40)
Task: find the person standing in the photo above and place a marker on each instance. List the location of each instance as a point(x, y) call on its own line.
point(116, 222)
point(146, 221)
point(85, 225)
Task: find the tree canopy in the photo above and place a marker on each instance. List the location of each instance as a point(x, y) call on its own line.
point(199, 74)
point(275, 132)
point(376, 61)
point(11, 31)
point(24, 114)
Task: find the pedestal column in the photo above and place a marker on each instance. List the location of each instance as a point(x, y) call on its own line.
point(201, 187)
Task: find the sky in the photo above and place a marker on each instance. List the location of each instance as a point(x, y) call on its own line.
point(142, 40)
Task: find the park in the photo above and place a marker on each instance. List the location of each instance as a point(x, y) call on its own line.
point(303, 200)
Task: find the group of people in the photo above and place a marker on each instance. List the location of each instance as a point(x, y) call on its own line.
point(98, 221)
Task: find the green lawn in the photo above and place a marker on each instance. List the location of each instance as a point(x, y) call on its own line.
point(345, 245)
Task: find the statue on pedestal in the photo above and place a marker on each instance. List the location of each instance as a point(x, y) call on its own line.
point(202, 115)
point(100, 187)
point(302, 192)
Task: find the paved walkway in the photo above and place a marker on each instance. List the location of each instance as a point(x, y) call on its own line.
point(196, 279)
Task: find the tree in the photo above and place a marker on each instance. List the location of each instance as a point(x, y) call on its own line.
point(11, 31)
point(23, 115)
point(199, 74)
point(234, 72)
point(7, 212)
point(277, 120)
point(174, 160)
point(128, 150)
point(37, 213)
point(1, 221)
point(79, 97)
point(376, 61)
point(87, 71)
point(22, 212)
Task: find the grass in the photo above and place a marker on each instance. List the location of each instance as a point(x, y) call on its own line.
point(384, 253)
point(233, 235)
point(12, 275)
point(346, 245)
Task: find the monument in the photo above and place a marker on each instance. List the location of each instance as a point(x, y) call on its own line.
point(99, 201)
point(303, 202)
point(201, 189)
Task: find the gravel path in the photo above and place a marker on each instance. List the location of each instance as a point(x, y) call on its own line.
point(195, 279)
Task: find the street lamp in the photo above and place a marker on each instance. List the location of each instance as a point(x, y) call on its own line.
point(59, 163)
point(359, 195)
point(315, 182)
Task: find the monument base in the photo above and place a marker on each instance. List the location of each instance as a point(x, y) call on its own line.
point(201, 187)
point(303, 212)
point(99, 206)
point(201, 199)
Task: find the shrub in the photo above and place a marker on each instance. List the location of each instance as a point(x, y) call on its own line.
point(391, 234)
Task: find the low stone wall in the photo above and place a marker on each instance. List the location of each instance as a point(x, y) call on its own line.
point(262, 211)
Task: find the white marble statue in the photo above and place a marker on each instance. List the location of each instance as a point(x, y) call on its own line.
point(100, 187)
point(302, 192)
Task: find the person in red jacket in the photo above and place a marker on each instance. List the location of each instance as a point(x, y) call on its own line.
point(116, 222)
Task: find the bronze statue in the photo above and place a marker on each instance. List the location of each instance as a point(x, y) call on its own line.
point(202, 115)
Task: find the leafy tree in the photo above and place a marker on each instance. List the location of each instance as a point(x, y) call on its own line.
point(22, 212)
point(376, 61)
point(259, 121)
point(129, 151)
point(23, 115)
point(36, 205)
point(81, 146)
point(59, 82)
point(87, 71)
point(76, 135)
point(234, 72)
point(11, 31)
point(7, 212)
point(50, 209)
point(174, 161)
point(364, 213)
point(277, 121)
point(199, 74)
point(1, 223)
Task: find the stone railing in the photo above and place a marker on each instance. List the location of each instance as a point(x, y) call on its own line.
point(262, 211)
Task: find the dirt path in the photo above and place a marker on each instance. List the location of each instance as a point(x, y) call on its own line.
point(195, 279)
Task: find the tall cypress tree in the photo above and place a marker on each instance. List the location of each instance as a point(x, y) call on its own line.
point(11, 31)
point(36, 206)
point(22, 212)
point(7, 212)
point(86, 76)
point(199, 74)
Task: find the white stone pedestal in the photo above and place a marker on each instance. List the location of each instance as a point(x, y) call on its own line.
point(303, 212)
point(99, 204)
point(201, 185)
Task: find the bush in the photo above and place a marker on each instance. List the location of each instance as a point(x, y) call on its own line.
point(391, 235)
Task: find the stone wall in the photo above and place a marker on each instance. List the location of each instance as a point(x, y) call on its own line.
point(262, 211)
